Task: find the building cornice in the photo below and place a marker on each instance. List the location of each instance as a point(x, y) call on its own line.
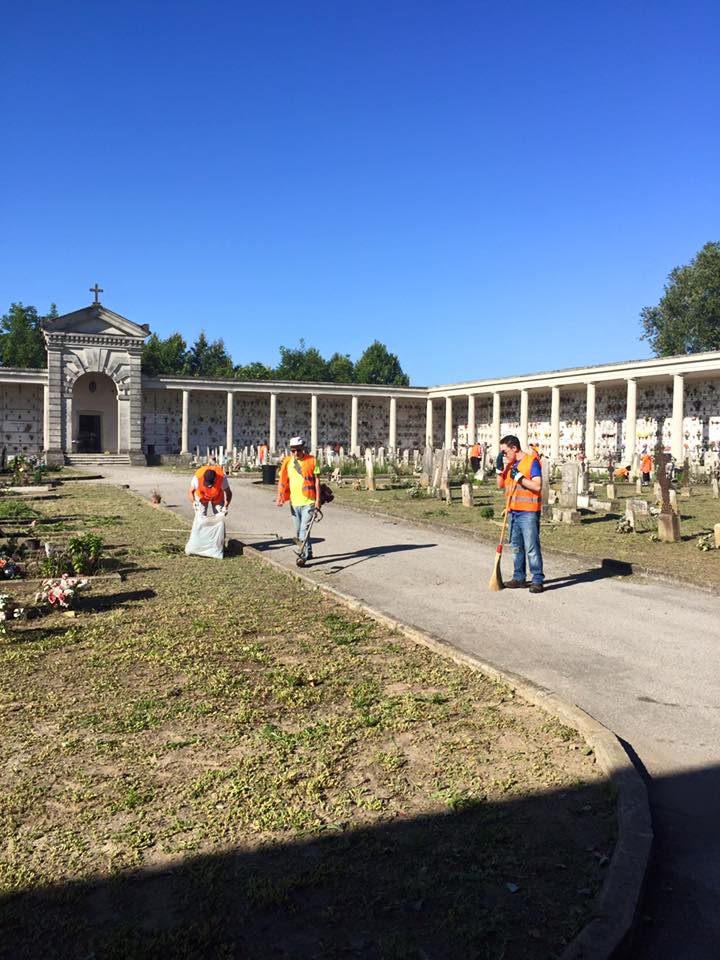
point(114, 342)
point(281, 387)
point(690, 365)
point(23, 375)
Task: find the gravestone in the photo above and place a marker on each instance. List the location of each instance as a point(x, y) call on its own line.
point(669, 527)
point(583, 479)
point(610, 491)
point(369, 471)
point(673, 500)
point(467, 495)
point(715, 488)
point(446, 454)
point(637, 512)
point(427, 467)
point(546, 503)
point(716, 531)
point(569, 486)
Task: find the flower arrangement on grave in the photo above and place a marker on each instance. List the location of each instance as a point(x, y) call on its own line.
point(10, 569)
point(61, 592)
point(9, 612)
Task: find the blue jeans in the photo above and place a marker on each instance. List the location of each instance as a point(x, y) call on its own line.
point(525, 541)
point(302, 516)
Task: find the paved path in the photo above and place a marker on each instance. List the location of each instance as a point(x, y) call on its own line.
point(640, 656)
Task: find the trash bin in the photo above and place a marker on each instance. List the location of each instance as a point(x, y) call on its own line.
point(269, 472)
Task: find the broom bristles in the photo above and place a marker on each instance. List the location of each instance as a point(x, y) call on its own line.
point(496, 580)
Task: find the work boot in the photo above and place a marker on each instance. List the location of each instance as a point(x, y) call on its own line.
point(536, 588)
point(515, 584)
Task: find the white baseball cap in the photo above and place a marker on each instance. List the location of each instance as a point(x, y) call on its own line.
point(296, 442)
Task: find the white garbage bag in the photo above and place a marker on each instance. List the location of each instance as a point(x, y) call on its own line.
point(207, 537)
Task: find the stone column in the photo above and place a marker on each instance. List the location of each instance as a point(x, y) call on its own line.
point(46, 417)
point(590, 422)
point(496, 424)
point(229, 426)
point(448, 423)
point(392, 438)
point(429, 423)
point(678, 416)
point(631, 421)
point(313, 424)
point(354, 446)
point(555, 423)
point(523, 438)
point(184, 432)
point(471, 427)
point(272, 433)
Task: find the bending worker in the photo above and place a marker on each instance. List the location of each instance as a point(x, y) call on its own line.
point(520, 474)
point(298, 484)
point(210, 490)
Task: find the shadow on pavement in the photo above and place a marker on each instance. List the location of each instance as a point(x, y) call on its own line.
point(368, 553)
point(608, 568)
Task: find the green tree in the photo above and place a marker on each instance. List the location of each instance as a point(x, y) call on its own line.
point(206, 359)
point(21, 340)
point(168, 357)
point(254, 371)
point(687, 318)
point(302, 363)
point(378, 365)
point(341, 369)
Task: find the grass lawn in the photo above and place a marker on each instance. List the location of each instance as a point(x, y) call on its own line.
point(595, 536)
point(213, 760)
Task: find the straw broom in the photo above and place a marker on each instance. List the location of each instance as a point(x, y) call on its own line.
point(496, 580)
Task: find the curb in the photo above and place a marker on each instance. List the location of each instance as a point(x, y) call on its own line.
point(609, 931)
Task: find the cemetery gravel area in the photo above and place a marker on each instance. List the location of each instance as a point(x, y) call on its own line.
point(213, 759)
point(595, 537)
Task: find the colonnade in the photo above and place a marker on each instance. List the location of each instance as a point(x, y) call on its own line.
point(272, 422)
point(470, 398)
point(678, 409)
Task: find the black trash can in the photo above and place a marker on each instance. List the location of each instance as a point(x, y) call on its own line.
point(269, 472)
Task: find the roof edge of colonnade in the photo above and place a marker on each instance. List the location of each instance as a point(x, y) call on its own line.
point(608, 933)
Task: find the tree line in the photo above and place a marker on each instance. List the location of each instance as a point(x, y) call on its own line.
point(172, 357)
point(22, 345)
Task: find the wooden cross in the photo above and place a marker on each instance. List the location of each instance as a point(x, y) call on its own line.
point(96, 290)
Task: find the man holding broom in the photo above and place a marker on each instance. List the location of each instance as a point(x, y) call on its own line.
point(519, 474)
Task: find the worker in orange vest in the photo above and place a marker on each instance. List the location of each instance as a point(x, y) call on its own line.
point(299, 485)
point(520, 474)
point(475, 457)
point(646, 465)
point(210, 490)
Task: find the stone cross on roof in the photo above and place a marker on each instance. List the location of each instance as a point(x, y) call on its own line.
point(96, 290)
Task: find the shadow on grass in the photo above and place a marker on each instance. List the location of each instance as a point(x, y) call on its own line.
point(111, 601)
point(600, 518)
point(513, 879)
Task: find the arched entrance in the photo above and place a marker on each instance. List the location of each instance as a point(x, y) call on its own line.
point(94, 414)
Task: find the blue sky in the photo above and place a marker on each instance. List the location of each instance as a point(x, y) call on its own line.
point(487, 188)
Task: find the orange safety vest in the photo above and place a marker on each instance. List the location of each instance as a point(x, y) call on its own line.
point(215, 493)
point(476, 451)
point(522, 499)
point(646, 464)
point(307, 467)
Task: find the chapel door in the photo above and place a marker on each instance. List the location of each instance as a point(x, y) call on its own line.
point(89, 433)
